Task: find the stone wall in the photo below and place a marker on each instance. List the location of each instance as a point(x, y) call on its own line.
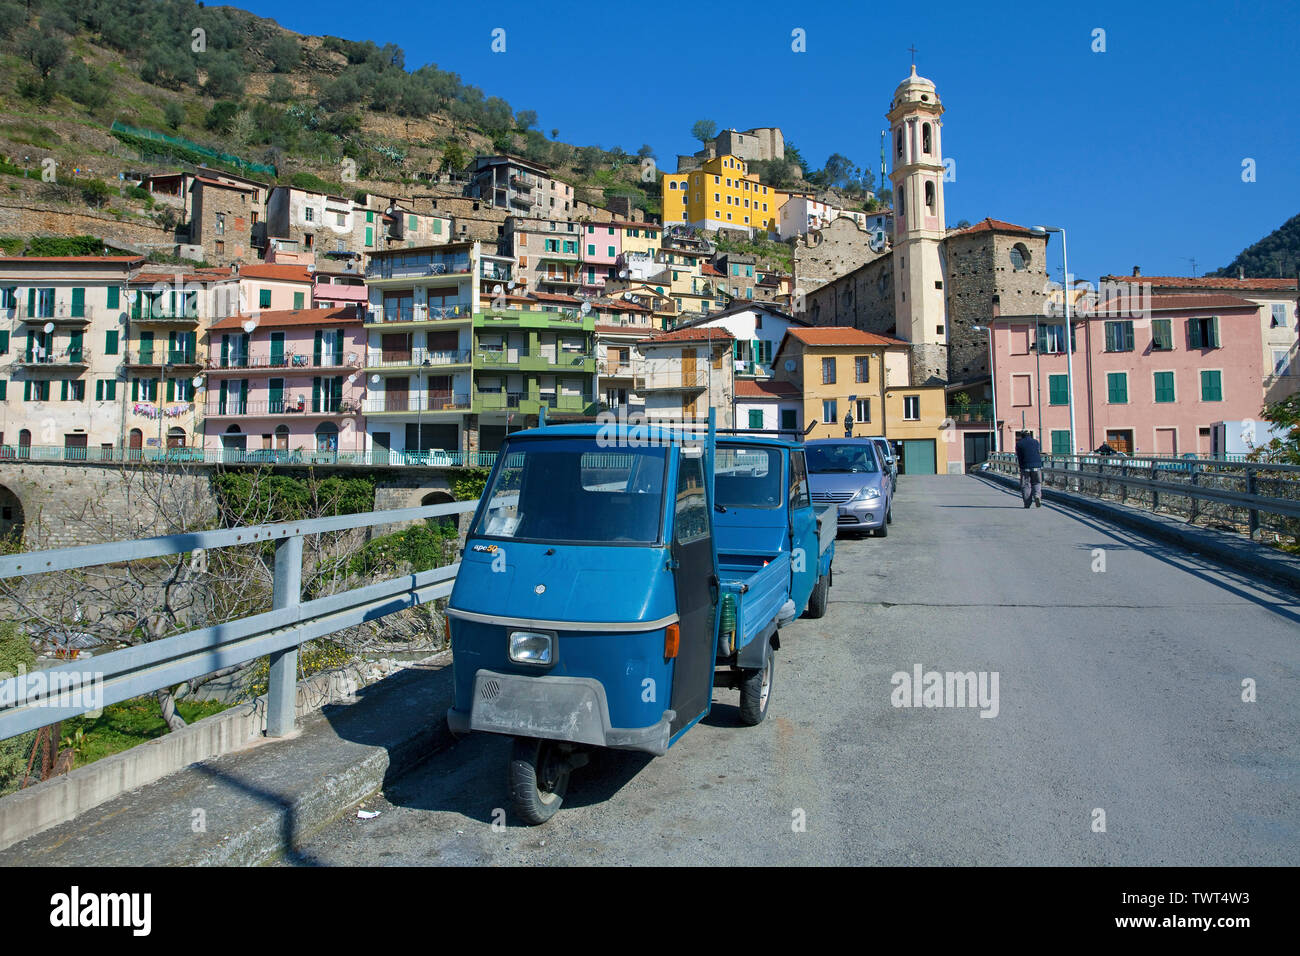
point(863, 299)
point(830, 252)
point(17, 218)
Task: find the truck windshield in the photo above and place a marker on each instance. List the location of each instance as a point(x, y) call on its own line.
point(748, 477)
point(841, 459)
point(573, 491)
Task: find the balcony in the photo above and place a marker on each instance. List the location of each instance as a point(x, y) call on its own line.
point(60, 314)
point(517, 200)
point(413, 358)
point(573, 404)
point(676, 380)
point(974, 412)
point(489, 401)
point(520, 181)
point(494, 273)
point(405, 403)
point(458, 311)
point(290, 361)
point(157, 358)
point(232, 408)
point(162, 315)
point(68, 358)
point(381, 269)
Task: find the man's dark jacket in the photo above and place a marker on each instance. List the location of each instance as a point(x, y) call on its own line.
point(1029, 453)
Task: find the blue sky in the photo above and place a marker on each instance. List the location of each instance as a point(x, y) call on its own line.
point(1137, 151)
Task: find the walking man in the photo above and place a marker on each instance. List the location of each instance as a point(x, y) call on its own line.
point(1030, 456)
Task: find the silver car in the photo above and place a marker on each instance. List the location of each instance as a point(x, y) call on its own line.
point(849, 473)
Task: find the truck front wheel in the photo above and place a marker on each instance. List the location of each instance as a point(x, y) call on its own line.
point(756, 691)
point(539, 777)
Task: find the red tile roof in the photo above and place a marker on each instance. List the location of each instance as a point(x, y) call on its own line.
point(552, 297)
point(764, 388)
point(1125, 305)
point(284, 273)
point(1206, 282)
point(691, 335)
point(624, 329)
point(72, 259)
point(995, 225)
point(708, 269)
point(222, 185)
point(840, 335)
point(282, 318)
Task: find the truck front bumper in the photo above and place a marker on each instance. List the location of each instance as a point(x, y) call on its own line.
point(553, 708)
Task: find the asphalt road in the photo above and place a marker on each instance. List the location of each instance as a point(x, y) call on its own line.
point(1118, 691)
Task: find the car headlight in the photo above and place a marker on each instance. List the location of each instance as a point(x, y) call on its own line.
point(867, 494)
point(531, 647)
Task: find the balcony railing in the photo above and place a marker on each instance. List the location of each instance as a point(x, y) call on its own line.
point(565, 403)
point(162, 356)
point(58, 359)
point(975, 412)
point(431, 402)
point(499, 400)
point(494, 273)
point(386, 269)
point(421, 313)
point(60, 314)
point(376, 358)
point(286, 406)
point(289, 360)
point(436, 457)
point(674, 378)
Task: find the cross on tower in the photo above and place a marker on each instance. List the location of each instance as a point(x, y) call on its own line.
point(912, 49)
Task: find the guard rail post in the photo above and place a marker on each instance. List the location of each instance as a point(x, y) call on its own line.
point(282, 690)
point(1155, 492)
point(1254, 512)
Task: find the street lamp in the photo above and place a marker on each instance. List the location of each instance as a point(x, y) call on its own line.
point(1069, 349)
point(993, 385)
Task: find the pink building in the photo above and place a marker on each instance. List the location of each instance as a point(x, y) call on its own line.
point(601, 245)
point(1144, 383)
point(275, 287)
point(336, 287)
point(287, 381)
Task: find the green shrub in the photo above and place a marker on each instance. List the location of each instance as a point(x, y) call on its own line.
point(14, 651)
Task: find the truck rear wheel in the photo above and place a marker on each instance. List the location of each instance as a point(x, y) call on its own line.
point(817, 602)
point(539, 777)
point(756, 691)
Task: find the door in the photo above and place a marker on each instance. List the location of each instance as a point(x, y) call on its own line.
point(804, 543)
point(277, 348)
point(397, 395)
point(74, 447)
point(1121, 440)
point(976, 448)
point(381, 443)
point(688, 367)
point(175, 438)
point(396, 347)
point(918, 457)
point(696, 587)
point(135, 444)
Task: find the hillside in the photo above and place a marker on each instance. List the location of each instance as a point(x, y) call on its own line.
point(1276, 256)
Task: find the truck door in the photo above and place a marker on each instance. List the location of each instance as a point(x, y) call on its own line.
point(695, 583)
point(804, 554)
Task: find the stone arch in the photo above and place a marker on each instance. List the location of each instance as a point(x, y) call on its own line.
point(12, 515)
point(441, 498)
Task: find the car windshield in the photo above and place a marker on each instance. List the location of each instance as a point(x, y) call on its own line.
point(572, 490)
point(841, 459)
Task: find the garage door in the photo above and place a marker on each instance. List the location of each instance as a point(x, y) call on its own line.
point(918, 456)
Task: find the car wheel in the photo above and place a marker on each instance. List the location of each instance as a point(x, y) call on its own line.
point(539, 777)
point(889, 515)
point(882, 531)
point(756, 691)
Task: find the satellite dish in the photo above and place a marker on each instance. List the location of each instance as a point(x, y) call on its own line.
point(586, 307)
point(622, 273)
point(374, 380)
point(311, 268)
point(196, 381)
point(352, 378)
point(497, 289)
point(250, 325)
point(48, 327)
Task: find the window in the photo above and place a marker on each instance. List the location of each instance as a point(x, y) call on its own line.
point(36, 391)
point(692, 520)
point(611, 251)
point(591, 248)
point(308, 214)
point(4, 395)
point(828, 371)
point(828, 411)
point(1061, 441)
point(755, 418)
point(72, 390)
point(221, 224)
point(1051, 339)
point(1058, 390)
point(1211, 386)
point(297, 300)
point(1162, 335)
point(929, 195)
point(1203, 333)
point(925, 138)
point(1278, 320)
point(1119, 336)
point(1020, 257)
point(1117, 388)
point(912, 408)
point(789, 419)
point(863, 410)
point(862, 369)
point(263, 298)
point(1281, 362)
point(106, 390)
point(9, 297)
point(1164, 386)
point(4, 341)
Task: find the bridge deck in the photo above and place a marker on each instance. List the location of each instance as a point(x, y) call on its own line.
point(1118, 690)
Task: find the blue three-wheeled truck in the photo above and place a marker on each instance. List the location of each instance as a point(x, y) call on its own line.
point(615, 574)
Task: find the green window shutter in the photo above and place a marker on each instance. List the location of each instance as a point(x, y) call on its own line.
point(1214, 332)
point(370, 216)
point(755, 418)
point(135, 390)
point(611, 250)
point(1058, 390)
point(31, 302)
point(27, 391)
point(31, 345)
point(110, 342)
point(315, 393)
point(99, 390)
point(1162, 336)
point(316, 348)
point(277, 348)
point(4, 390)
point(1117, 388)
point(171, 389)
point(4, 341)
point(1061, 442)
point(1194, 334)
point(437, 227)
point(1211, 386)
point(370, 235)
point(297, 300)
point(114, 297)
point(264, 298)
point(63, 390)
point(1164, 386)
point(277, 396)
point(338, 346)
point(1127, 328)
point(79, 302)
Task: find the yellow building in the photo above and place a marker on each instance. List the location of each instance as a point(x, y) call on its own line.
point(722, 194)
point(845, 371)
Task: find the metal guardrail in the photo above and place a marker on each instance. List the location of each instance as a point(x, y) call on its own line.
point(44, 697)
point(1267, 493)
point(429, 457)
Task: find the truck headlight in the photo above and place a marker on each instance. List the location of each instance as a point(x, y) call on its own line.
point(867, 494)
point(531, 647)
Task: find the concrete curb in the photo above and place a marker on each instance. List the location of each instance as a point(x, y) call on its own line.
point(64, 798)
point(1236, 551)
